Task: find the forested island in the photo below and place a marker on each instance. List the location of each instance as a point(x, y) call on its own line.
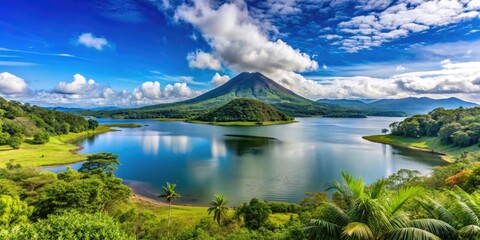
point(244, 112)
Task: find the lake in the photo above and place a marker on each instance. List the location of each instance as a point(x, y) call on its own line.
point(277, 163)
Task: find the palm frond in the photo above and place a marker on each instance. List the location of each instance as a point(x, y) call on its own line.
point(372, 213)
point(464, 214)
point(470, 232)
point(332, 213)
point(377, 188)
point(437, 210)
point(356, 185)
point(396, 201)
point(320, 229)
point(343, 190)
point(468, 199)
point(357, 230)
point(400, 220)
point(410, 233)
point(437, 227)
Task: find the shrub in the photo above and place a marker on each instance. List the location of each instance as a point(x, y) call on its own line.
point(283, 207)
point(41, 137)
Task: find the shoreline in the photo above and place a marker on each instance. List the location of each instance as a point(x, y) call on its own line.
point(140, 193)
point(443, 155)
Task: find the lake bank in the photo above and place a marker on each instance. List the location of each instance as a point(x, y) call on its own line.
point(60, 150)
point(425, 144)
point(268, 123)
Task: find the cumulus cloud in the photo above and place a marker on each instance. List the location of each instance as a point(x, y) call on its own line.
point(241, 44)
point(79, 85)
point(203, 60)
point(402, 19)
point(452, 78)
point(151, 92)
point(90, 41)
point(11, 84)
point(218, 80)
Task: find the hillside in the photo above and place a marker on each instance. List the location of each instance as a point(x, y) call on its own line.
point(19, 121)
point(244, 110)
point(448, 131)
point(410, 105)
point(245, 85)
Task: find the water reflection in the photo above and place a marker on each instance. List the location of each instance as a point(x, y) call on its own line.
point(273, 162)
point(243, 144)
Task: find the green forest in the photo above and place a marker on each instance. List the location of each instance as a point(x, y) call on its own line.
point(459, 126)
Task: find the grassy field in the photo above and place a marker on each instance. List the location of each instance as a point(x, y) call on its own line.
point(191, 215)
point(244, 123)
point(59, 150)
point(430, 144)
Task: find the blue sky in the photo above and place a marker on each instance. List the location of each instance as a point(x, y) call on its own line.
point(140, 52)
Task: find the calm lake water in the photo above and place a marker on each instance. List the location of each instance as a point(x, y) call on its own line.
point(279, 162)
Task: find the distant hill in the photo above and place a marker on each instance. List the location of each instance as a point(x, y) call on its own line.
point(244, 110)
point(410, 105)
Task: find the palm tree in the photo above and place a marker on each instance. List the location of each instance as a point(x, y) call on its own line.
point(461, 210)
point(219, 208)
point(374, 213)
point(169, 195)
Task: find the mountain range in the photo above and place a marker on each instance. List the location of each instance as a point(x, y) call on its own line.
point(257, 86)
point(410, 105)
point(245, 85)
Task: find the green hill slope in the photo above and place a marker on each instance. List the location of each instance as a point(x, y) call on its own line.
point(244, 110)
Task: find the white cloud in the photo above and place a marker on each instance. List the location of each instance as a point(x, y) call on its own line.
point(400, 68)
point(325, 67)
point(242, 45)
point(218, 80)
point(203, 60)
point(90, 41)
point(450, 49)
point(11, 84)
point(79, 85)
point(179, 90)
point(238, 41)
point(451, 78)
point(403, 19)
point(151, 92)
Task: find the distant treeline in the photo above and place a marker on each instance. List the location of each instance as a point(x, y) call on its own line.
point(458, 126)
point(182, 110)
